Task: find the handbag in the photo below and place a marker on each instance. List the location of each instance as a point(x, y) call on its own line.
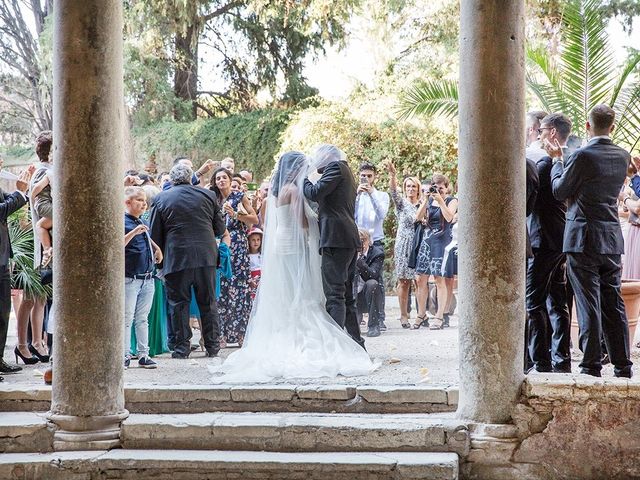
point(46, 275)
point(418, 232)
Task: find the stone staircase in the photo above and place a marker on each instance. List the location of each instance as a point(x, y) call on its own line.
point(236, 442)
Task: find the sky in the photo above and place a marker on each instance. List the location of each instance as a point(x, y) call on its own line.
point(335, 74)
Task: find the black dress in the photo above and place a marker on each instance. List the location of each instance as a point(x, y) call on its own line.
point(436, 237)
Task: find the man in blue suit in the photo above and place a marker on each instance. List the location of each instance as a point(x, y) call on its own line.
point(591, 182)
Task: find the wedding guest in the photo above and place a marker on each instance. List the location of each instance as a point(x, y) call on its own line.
point(40, 196)
point(255, 259)
point(591, 183)
point(372, 206)
point(9, 203)
point(437, 212)
point(228, 164)
point(235, 298)
point(140, 255)
point(184, 223)
point(631, 201)
point(406, 207)
point(534, 150)
point(246, 175)
point(369, 282)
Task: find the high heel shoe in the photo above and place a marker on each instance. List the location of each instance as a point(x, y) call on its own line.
point(436, 324)
point(25, 360)
point(419, 322)
point(405, 322)
point(43, 358)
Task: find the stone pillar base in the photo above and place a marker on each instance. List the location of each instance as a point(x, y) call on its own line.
point(86, 433)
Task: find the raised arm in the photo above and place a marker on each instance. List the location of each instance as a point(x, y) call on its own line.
point(328, 182)
point(566, 180)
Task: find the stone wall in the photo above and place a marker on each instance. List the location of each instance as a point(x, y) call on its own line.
point(565, 427)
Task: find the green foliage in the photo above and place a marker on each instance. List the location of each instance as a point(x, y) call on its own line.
point(252, 139)
point(416, 151)
point(585, 75)
point(430, 98)
point(25, 276)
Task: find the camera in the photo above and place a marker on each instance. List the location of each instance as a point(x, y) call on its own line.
point(364, 180)
point(434, 189)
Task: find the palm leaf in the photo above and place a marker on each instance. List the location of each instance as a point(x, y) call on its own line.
point(430, 98)
point(24, 276)
point(586, 60)
point(627, 109)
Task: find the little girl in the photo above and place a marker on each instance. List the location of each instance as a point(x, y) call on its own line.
point(43, 206)
point(255, 259)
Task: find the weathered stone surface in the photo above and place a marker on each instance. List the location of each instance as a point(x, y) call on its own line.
point(492, 248)
point(296, 432)
point(25, 432)
point(227, 465)
point(263, 393)
point(177, 393)
point(326, 392)
point(403, 394)
point(88, 114)
point(453, 395)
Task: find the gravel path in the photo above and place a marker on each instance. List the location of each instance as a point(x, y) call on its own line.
point(407, 357)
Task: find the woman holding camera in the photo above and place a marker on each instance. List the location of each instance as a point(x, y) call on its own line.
point(436, 213)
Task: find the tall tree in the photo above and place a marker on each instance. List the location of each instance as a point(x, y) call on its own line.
point(20, 53)
point(257, 44)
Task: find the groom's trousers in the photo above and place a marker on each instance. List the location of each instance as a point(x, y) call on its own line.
point(338, 273)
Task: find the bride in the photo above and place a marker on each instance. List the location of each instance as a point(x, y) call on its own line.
point(290, 334)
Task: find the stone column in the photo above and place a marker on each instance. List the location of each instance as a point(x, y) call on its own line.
point(87, 404)
point(492, 208)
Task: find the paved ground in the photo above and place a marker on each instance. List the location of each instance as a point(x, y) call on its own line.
point(407, 356)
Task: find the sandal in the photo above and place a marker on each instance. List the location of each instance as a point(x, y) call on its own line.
point(405, 322)
point(419, 321)
point(47, 255)
point(437, 325)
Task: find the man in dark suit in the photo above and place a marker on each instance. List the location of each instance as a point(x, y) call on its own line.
point(591, 182)
point(185, 221)
point(549, 331)
point(9, 203)
point(531, 194)
point(335, 193)
point(370, 296)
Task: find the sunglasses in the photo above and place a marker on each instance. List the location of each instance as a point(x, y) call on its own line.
point(544, 128)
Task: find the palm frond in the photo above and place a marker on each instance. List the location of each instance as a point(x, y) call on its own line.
point(25, 275)
point(626, 74)
point(627, 107)
point(430, 98)
point(586, 60)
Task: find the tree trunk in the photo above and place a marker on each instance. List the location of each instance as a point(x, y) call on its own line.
point(185, 80)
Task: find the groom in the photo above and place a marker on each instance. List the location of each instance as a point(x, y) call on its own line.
point(335, 194)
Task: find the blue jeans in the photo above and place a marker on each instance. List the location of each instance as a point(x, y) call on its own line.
point(138, 297)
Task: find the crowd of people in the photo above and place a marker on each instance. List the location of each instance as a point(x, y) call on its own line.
point(575, 199)
point(165, 252)
point(193, 247)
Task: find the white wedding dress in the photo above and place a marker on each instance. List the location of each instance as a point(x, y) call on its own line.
point(290, 334)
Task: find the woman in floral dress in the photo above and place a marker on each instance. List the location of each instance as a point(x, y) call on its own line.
point(234, 305)
point(406, 206)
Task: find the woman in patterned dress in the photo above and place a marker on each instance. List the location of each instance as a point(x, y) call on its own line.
point(437, 212)
point(234, 305)
point(406, 207)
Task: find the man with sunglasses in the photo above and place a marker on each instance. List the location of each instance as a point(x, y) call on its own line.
point(549, 325)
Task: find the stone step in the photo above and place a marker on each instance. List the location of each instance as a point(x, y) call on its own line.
point(253, 398)
point(226, 465)
point(296, 432)
point(283, 432)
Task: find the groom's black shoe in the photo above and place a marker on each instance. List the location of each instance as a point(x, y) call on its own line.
point(373, 332)
point(179, 355)
point(213, 352)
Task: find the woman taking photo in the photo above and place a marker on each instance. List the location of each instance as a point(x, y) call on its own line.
point(234, 304)
point(406, 206)
point(436, 212)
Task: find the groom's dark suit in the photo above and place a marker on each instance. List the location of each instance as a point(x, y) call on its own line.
point(335, 194)
point(591, 182)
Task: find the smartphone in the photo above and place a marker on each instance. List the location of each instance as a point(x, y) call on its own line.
point(252, 187)
point(363, 180)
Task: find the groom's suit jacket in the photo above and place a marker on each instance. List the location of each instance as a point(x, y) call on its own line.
point(335, 194)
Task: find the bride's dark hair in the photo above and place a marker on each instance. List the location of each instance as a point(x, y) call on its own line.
point(289, 167)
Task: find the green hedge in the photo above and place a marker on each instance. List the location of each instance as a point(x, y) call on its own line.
point(252, 139)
